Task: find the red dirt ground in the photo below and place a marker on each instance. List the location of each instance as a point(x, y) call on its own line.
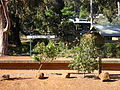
point(23, 58)
point(56, 82)
point(15, 58)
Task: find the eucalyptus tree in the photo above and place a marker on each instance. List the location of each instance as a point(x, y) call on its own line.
point(106, 7)
point(4, 27)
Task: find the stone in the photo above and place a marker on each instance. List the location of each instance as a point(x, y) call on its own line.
point(5, 77)
point(40, 75)
point(67, 75)
point(104, 76)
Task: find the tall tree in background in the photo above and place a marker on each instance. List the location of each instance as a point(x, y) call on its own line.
point(16, 11)
point(34, 16)
point(4, 27)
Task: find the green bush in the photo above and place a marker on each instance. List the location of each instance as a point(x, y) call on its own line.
point(63, 49)
point(45, 52)
point(19, 50)
point(111, 50)
point(118, 54)
point(85, 59)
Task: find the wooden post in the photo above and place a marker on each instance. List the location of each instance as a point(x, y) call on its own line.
point(99, 65)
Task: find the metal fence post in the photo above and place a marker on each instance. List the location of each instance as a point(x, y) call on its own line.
point(30, 47)
point(100, 65)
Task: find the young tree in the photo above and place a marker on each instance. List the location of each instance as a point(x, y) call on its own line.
point(85, 60)
point(46, 53)
point(4, 27)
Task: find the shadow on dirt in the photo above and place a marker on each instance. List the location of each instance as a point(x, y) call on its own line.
point(71, 77)
point(44, 78)
point(109, 80)
point(115, 76)
point(18, 78)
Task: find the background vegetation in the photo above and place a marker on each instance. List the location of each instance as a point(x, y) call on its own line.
point(38, 17)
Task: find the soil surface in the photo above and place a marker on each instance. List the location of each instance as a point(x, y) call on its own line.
point(26, 58)
point(55, 80)
point(15, 58)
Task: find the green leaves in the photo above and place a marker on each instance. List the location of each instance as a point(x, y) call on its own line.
point(67, 11)
point(40, 47)
point(45, 52)
point(85, 58)
point(51, 50)
point(49, 13)
point(111, 50)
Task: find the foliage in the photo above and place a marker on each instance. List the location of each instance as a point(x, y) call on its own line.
point(45, 52)
point(118, 53)
point(84, 13)
point(67, 12)
point(85, 59)
point(116, 20)
point(52, 16)
point(75, 4)
point(46, 22)
point(64, 50)
point(21, 50)
point(108, 50)
point(106, 7)
point(67, 32)
point(111, 50)
point(102, 20)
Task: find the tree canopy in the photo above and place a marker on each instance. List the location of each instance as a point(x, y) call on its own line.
point(52, 16)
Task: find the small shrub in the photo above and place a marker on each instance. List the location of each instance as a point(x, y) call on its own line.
point(118, 50)
point(118, 54)
point(45, 52)
point(63, 49)
point(111, 50)
point(85, 59)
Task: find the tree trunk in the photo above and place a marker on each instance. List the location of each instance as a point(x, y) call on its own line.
point(3, 30)
point(3, 37)
point(5, 43)
point(118, 3)
point(1, 33)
